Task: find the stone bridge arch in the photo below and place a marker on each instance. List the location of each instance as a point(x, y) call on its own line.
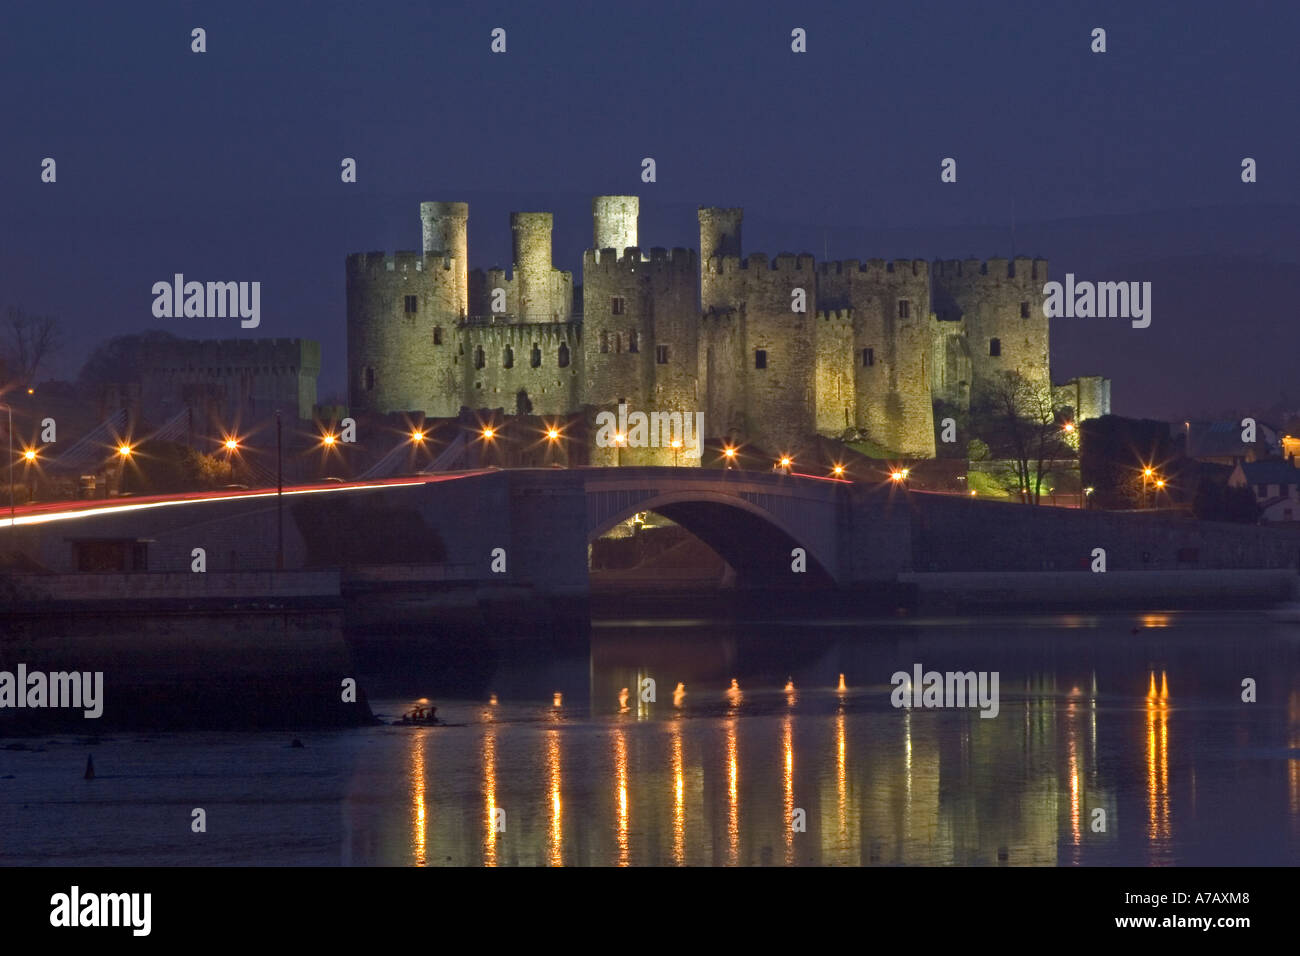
point(742, 527)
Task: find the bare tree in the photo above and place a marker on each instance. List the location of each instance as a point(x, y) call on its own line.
point(1023, 424)
point(27, 342)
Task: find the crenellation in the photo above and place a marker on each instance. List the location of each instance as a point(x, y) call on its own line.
point(866, 348)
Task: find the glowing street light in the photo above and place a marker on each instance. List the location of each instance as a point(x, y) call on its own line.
point(328, 440)
point(232, 444)
point(417, 436)
point(124, 451)
point(837, 470)
point(489, 433)
point(30, 454)
point(1068, 427)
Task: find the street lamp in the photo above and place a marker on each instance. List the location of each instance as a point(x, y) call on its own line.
point(552, 437)
point(677, 447)
point(729, 454)
point(837, 470)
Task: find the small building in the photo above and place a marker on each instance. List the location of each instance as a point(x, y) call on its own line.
point(1220, 442)
point(1276, 485)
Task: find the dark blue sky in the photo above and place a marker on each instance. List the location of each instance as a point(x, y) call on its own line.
point(225, 165)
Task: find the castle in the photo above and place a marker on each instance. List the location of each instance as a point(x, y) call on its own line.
point(772, 351)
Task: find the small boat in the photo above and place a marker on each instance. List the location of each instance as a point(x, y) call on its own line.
point(421, 716)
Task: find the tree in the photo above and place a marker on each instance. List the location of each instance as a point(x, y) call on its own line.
point(27, 342)
point(1020, 422)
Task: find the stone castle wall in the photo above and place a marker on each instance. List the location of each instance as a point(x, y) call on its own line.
point(669, 330)
point(239, 379)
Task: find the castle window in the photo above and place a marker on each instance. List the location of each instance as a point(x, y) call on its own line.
point(868, 358)
point(1024, 310)
point(604, 342)
point(904, 309)
point(508, 359)
point(412, 304)
point(661, 354)
point(370, 380)
point(618, 305)
point(760, 358)
point(995, 347)
point(618, 343)
point(437, 335)
point(563, 356)
point(479, 359)
point(631, 341)
point(536, 360)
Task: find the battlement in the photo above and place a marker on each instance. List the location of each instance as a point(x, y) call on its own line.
point(759, 262)
point(191, 354)
point(376, 263)
point(1022, 268)
point(633, 260)
point(842, 316)
point(879, 268)
point(490, 330)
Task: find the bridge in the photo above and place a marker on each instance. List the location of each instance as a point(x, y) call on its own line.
point(534, 523)
point(528, 531)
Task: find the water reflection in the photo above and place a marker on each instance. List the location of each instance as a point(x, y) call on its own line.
point(1078, 763)
point(1157, 713)
point(555, 837)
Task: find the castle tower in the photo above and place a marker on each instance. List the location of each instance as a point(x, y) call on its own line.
point(532, 273)
point(640, 341)
point(403, 310)
point(614, 222)
point(719, 236)
point(1000, 303)
point(443, 226)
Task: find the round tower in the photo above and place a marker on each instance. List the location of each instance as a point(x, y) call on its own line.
point(1001, 306)
point(614, 221)
point(719, 232)
point(443, 226)
point(531, 232)
point(401, 328)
